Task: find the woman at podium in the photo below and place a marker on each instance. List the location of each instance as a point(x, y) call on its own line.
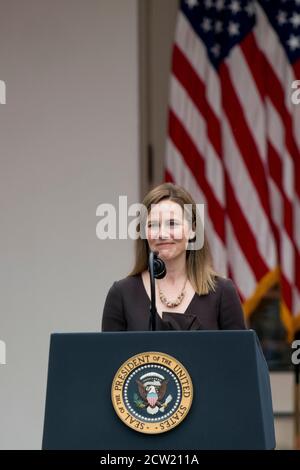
point(191, 296)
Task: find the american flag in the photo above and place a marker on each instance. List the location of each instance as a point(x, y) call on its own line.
point(234, 139)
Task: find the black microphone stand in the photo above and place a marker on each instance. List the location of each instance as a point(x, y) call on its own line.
point(157, 269)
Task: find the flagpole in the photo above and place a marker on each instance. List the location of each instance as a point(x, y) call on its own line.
point(297, 408)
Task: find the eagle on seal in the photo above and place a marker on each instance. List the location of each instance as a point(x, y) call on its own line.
point(151, 393)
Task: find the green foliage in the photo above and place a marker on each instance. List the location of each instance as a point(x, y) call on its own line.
point(138, 402)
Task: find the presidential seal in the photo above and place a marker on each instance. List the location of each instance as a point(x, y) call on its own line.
point(152, 392)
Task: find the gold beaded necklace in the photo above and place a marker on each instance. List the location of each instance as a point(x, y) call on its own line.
point(174, 303)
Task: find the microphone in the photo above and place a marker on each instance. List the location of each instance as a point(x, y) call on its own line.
point(157, 269)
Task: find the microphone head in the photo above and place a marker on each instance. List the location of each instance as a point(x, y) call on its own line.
point(159, 266)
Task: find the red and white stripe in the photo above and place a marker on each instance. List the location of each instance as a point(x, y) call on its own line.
point(233, 144)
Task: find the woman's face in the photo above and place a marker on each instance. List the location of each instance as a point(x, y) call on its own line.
point(167, 230)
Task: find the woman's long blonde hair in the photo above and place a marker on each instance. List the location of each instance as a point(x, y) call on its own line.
point(199, 262)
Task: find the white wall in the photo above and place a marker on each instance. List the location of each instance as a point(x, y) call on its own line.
point(68, 141)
